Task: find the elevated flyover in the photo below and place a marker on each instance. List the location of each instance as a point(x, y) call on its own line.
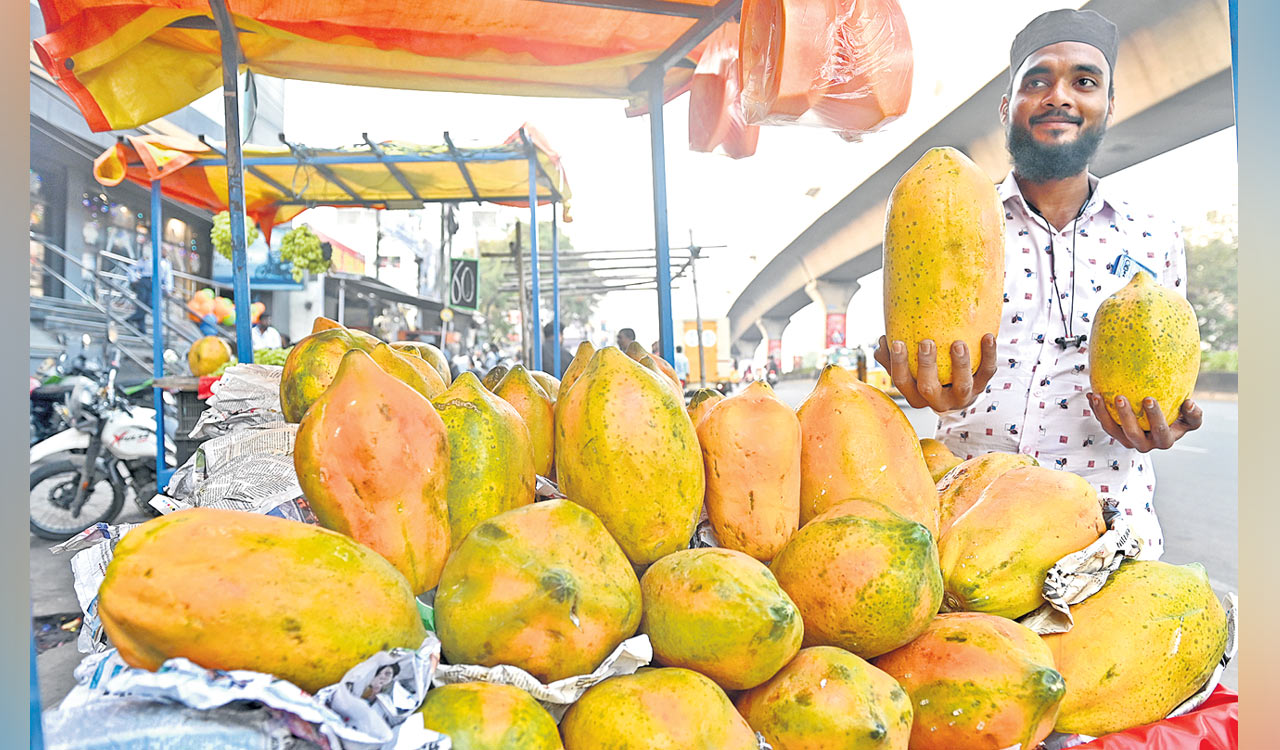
point(1173, 86)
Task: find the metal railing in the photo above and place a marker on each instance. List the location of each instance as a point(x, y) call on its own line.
point(108, 290)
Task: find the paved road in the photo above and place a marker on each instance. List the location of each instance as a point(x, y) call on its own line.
point(1196, 490)
point(1196, 497)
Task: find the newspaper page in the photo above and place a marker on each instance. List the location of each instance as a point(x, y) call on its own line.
point(556, 697)
point(245, 395)
point(94, 548)
point(1080, 575)
point(362, 711)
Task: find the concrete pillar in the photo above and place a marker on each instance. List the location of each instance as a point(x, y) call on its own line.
point(834, 296)
point(772, 328)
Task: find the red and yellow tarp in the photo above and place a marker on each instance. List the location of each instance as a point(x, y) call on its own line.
point(125, 62)
point(177, 162)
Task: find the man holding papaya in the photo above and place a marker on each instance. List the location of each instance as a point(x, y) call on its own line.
point(1070, 242)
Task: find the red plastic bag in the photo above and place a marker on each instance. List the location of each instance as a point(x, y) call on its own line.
point(839, 64)
point(716, 118)
point(1213, 726)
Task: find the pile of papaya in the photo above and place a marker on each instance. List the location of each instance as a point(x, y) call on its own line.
point(865, 591)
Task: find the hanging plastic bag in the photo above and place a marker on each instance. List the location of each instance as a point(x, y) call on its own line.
point(716, 118)
point(845, 65)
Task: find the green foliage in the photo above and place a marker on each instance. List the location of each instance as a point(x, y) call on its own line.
point(300, 247)
point(1213, 290)
point(220, 235)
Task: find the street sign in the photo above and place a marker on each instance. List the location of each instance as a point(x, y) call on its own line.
point(464, 283)
point(446, 315)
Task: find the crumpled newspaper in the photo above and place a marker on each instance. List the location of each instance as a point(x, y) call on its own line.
point(1080, 575)
point(115, 723)
point(249, 469)
point(244, 396)
point(556, 697)
point(94, 548)
point(362, 711)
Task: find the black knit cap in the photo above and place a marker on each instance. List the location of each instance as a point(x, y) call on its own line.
point(1085, 26)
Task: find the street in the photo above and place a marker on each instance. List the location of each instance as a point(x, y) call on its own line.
point(1196, 497)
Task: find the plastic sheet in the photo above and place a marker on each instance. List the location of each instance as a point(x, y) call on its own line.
point(716, 118)
point(1212, 726)
point(845, 65)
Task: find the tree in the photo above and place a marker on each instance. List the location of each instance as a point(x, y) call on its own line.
point(1212, 287)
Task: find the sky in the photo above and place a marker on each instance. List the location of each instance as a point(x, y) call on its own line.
point(754, 206)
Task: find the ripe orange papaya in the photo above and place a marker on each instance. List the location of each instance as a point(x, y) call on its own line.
point(701, 402)
point(493, 377)
point(961, 488)
point(857, 443)
point(543, 587)
point(865, 578)
point(938, 457)
point(751, 451)
point(943, 258)
point(289, 599)
point(372, 458)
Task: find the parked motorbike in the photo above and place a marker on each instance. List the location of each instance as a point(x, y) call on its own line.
point(113, 454)
point(54, 381)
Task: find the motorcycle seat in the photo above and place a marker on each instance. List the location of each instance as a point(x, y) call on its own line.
point(51, 393)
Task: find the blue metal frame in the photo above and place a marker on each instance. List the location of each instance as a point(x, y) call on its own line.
point(535, 298)
point(157, 331)
point(666, 325)
point(555, 293)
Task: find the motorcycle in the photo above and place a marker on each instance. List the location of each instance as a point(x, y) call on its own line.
point(113, 454)
point(56, 379)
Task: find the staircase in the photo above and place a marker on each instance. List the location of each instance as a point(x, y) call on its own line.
point(86, 310)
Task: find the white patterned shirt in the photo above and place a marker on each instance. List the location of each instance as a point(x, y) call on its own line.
point(1035, 404)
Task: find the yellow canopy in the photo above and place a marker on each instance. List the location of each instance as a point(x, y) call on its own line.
point(282, 181)
point(126, 62)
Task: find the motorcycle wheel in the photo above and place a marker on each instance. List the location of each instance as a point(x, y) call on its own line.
point(53, 488)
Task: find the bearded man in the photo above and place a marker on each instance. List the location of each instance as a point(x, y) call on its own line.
point(1071, 241)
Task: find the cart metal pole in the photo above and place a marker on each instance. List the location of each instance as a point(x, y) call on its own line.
point(666, 327)
point(235, 176)
point(157, 329)
point(535, 297)
point(555, 292)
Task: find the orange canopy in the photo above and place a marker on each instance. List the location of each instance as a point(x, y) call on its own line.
point(127, 62)
point(279, 183)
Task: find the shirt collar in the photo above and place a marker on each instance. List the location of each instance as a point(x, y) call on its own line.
point(1008, 190)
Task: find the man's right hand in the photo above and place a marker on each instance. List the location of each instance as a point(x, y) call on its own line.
point(924, 390)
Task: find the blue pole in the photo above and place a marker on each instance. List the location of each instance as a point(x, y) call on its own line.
point(555, 292)
point(666, 327)
point(235, 177)
point(37, 718)
point(157, 329)
point(535, 303)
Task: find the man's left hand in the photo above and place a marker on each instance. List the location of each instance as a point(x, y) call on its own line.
point(1160, 436)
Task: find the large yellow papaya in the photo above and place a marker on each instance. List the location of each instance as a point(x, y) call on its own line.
point(413, 371)
point(938, 457)
point(626, 449)
point(1145, 344)
point(977, 682)
point(656, 709)
point(828, 698)
point(489, 716)
point(430, 354)
point(310, 367)
point(1147, 641)
point(234, 590)
point(943, 258)
point(372, 458)
point(543, 587)
point(751, 451)
point(522, 392)
point(701, 402)
point(491, 464)
point(995, 557)
point(865, 578)
point(857, 443)
point(961, 488)
point(721, 613)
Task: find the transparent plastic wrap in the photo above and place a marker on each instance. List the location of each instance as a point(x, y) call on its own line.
point(716, 118)
point(845, 65)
